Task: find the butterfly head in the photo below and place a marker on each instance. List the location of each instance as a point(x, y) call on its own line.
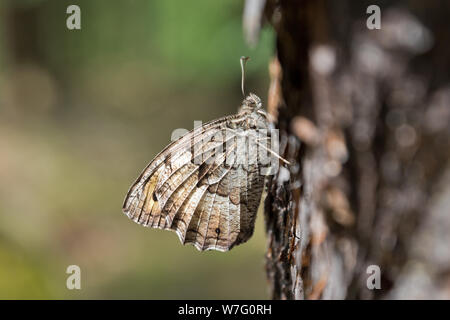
point(252, 102)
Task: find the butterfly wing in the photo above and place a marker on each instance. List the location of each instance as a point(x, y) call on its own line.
point(197, 188)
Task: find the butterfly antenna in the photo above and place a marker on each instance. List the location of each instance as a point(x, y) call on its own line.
point(243, 61)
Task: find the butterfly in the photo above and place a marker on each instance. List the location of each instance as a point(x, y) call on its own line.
point(207, 185)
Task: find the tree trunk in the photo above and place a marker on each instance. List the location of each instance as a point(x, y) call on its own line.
point(364, 120)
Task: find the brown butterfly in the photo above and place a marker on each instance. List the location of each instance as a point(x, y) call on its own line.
point(207, 185)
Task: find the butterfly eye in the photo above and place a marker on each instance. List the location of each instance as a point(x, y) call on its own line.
point(154, 197)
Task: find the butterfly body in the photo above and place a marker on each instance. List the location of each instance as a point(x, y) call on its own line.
point(207, 185)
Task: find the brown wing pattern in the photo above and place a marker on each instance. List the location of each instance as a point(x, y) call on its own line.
point(203, 198)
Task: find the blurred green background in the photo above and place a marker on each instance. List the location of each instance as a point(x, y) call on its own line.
point(81, 114)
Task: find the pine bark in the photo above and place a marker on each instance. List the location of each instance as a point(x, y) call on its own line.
point(364, 120)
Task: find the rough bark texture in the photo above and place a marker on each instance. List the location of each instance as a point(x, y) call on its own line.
point(364, 119)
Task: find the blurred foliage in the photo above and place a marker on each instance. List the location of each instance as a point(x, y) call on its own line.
point(82, 112)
